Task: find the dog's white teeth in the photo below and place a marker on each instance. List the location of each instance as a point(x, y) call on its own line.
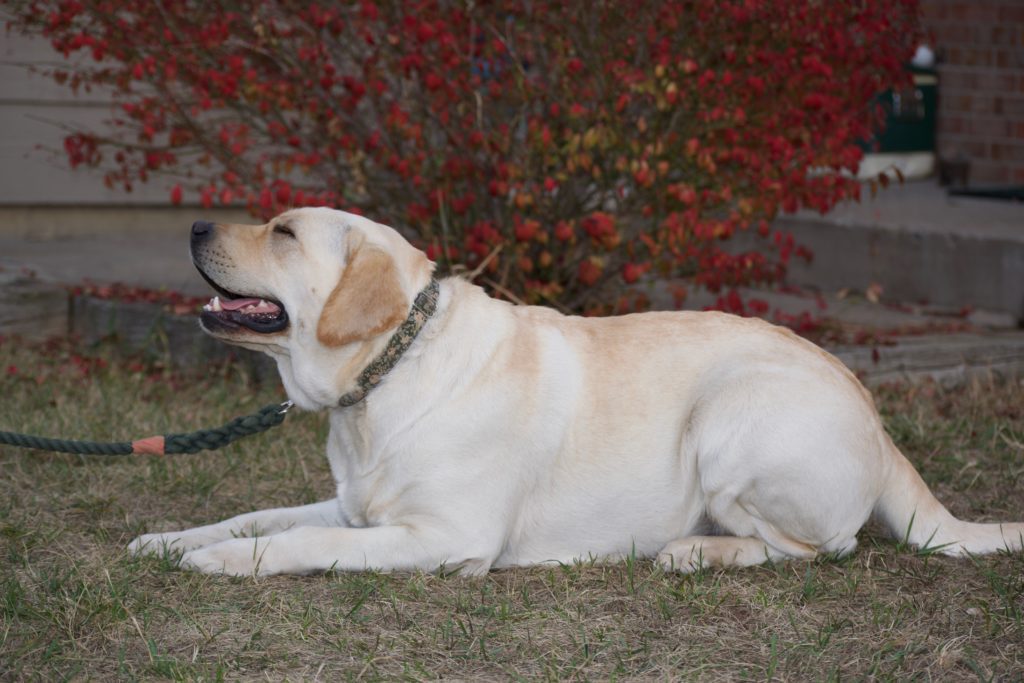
point(263, 304)
point(215, 304)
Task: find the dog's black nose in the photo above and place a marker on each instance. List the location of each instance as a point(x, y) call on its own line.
point(201, 230)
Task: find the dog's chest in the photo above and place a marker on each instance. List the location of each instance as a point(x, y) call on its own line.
point(368, 500)
point(371, 483)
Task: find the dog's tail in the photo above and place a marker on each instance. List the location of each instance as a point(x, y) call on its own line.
point(913, 515)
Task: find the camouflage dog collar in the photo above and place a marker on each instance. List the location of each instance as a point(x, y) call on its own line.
point(422, 308)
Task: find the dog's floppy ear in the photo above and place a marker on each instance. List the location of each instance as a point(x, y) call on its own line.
point(367, 301)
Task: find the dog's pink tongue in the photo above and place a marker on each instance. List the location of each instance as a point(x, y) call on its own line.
point(235, 304)
point(258, 305)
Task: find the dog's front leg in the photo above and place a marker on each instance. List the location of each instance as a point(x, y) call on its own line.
point(258, 523)
point(310, 549)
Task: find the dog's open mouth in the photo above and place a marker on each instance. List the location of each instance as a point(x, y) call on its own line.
point(230, 311)
point(257, 315)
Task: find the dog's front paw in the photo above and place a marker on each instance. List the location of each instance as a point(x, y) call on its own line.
point(156, 544)
point(235, 557)
point(176, 542)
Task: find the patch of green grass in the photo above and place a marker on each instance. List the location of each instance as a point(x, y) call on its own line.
point(74, 605)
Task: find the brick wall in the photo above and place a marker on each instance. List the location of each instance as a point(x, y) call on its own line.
point(980, 45)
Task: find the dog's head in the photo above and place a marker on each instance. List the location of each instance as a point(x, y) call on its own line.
point(312, 286)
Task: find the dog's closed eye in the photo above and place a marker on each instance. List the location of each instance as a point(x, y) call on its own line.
point(284, 230)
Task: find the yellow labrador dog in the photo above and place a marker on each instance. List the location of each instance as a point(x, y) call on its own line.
point(470, 433)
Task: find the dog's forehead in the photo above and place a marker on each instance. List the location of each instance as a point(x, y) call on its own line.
point(316, 218)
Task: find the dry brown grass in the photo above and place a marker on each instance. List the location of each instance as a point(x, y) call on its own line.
point(74, 605)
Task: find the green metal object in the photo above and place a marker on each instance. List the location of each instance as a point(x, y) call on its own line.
point(910, 116)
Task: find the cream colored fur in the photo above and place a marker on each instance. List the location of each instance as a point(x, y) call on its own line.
point(512, 435)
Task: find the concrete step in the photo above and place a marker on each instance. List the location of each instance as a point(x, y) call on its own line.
point(920, 246)
point(31, 307)
point(949, 359)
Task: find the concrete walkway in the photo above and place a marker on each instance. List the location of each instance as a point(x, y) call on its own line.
point(929, 255)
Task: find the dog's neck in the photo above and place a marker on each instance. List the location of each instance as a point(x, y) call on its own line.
point(423, 306)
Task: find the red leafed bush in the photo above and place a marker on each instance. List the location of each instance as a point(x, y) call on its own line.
point(555, 151)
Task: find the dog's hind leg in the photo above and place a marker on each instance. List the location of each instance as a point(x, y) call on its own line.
point(789, 467)
point(701, 552)
point(770, 519)
point(756, 542)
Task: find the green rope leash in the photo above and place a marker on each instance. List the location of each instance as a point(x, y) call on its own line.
point(171, 444)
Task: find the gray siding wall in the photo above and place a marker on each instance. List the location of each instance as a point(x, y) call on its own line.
point(33, 168)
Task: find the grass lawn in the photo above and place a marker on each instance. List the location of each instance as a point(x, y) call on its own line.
point(74, 605)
